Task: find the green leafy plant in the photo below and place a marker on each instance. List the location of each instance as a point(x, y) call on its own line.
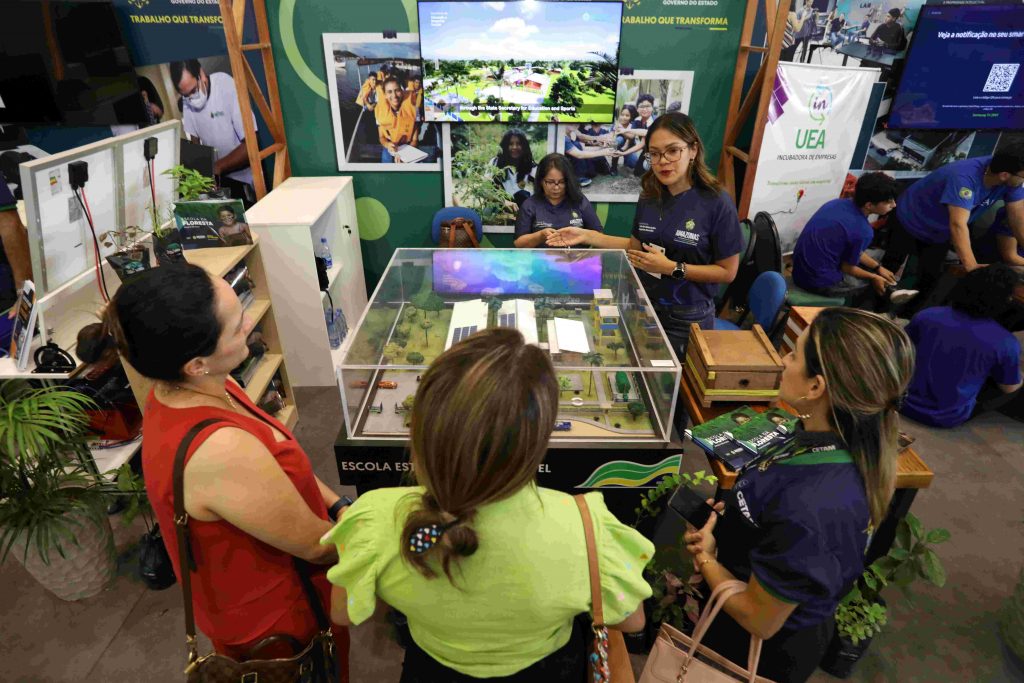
point(191, 184)
point(131, 486)
point(861, 614)
point(668, 572)
point(42, 479)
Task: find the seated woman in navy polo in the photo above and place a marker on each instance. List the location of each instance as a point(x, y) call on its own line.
point(796, 527)
point(557, 202)
point(966, 361)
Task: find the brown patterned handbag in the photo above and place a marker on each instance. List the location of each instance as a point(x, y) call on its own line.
point(458, 233)
point(317, 662)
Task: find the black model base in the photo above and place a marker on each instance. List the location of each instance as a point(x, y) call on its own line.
point(621, 471)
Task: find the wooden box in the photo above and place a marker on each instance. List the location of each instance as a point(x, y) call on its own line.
point(732, 365)
point(799, 318)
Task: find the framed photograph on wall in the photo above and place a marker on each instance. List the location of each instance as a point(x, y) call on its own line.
point(491, 167)
point(375, 86)
point(608, 158)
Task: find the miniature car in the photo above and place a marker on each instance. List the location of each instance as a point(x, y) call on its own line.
point(386, 384)
point(563, 426)
point(359, 384)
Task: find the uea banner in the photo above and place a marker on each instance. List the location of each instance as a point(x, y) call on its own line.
point(814, 119)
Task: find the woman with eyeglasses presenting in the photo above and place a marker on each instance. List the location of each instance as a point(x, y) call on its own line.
point(557, 202)
point(686, 237)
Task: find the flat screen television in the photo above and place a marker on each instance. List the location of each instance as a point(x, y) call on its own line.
point(526, 60)
point(65, 62)
point(963, 70)
point(527, 271)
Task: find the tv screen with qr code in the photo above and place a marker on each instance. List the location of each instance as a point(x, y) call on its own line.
point(963, 70)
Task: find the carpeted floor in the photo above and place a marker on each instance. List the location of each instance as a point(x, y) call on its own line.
point(128, 633)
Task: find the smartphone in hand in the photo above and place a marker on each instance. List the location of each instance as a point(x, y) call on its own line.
point(689, 505)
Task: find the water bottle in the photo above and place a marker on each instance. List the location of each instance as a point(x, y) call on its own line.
point(325, 253)
point(333, 336)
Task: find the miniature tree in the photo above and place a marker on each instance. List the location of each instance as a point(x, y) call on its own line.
point(427, 301)
point(414, 358)
point(392, 351)
point(594, 360)
point(408, 402)
point(615, 347)
point(425, 325)
point(636, 409)
point(493, 306)
point(622, 383)
point(564, 383)
point(401, 333)
point(411, 313)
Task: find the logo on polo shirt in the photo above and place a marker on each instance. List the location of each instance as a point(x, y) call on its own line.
point(543, 224)
point(687, 236)
point(215, 114)
point(576, 220)
point(646, 227)
point(691, 224)
point(966, 193)
point(744, 508)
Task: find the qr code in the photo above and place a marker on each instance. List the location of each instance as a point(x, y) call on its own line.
point(1000, 78)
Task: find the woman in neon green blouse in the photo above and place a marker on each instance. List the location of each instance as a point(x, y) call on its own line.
point(490, 569)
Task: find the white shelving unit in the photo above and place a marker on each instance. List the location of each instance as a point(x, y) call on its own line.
point(290, 222)
point(108, 459)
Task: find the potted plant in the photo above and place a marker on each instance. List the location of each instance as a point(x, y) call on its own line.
point(52, 510)
point(190, 185)
point(862, 612)
point(668, 572)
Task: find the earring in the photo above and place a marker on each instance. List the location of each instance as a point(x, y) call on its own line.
point(803, 416)
point(206, 372)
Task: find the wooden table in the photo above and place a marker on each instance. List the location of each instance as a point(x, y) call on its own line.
point(911, 472)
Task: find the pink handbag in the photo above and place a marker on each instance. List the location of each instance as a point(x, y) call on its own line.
point(678, 658)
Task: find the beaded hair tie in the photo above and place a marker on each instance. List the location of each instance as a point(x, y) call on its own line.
point(426, 537)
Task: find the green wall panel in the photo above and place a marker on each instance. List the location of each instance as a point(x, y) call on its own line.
point(654, 36)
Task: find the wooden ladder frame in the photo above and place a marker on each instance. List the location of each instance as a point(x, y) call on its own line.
point(233, 13)
point(776, 12)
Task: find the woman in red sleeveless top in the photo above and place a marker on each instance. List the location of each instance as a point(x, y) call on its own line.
point(250, 492)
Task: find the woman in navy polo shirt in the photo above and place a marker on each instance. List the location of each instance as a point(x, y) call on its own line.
point(686, 237)
point(557, 202)
point(796, 526)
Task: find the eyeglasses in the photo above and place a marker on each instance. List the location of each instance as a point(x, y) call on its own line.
point(554, 183)
point(671, 154)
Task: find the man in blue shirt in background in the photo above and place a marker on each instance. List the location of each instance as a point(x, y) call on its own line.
point(829, 256)
point(937, 210)
point(966, 361)
point(15, 262)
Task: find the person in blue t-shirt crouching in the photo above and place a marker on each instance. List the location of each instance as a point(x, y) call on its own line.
point(966, 361)
point(935, 212)
point(829, 257)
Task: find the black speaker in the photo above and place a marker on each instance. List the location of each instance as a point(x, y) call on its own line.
point(321, 273)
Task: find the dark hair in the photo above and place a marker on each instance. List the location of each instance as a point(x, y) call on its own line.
point(525, 163)
point(985, 292)
point(873, 188)
point(681, 126)
point(676, 105)
point(895, 13)
point(226, 207)
point(178, 68)
point(391, 79)
point(633, 113)
point(163, 318)
point(867, 362)
point(1008, 158)
point(645, 97)
point(559, 162)
point(479, 430)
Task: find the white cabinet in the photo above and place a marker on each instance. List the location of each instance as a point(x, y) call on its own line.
point(290, 222)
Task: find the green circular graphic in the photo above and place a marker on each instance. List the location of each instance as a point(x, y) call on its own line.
point(374, 219)
point(602, 212)
point(410, 10)
point(291, 50)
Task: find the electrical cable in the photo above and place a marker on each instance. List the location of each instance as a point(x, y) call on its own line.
point(331, 301)
point(152, 189)
point(101, 280)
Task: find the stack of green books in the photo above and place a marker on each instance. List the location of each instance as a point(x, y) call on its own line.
point(741, 436)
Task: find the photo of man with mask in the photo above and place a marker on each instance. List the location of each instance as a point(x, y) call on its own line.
point(211, 116)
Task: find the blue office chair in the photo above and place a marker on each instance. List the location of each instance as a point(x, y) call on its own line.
point(449, 212)
point(766, 297)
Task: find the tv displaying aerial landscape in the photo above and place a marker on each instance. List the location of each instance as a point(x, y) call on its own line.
point(527, 60)
point(488, 272)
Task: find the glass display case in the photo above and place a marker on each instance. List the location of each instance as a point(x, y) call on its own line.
point(587, 308)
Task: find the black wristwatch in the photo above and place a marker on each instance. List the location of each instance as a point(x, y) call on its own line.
point(333, 511)
point(680, 271)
